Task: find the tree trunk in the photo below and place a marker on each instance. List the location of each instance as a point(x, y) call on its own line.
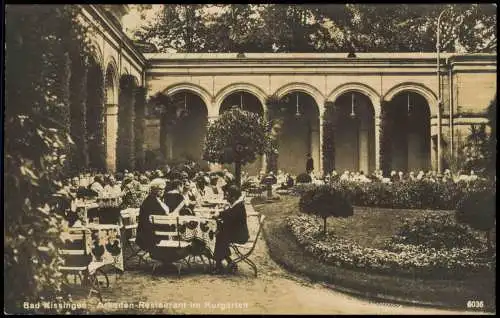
point(78, 105)
point(324, 227)
point(140, 102)
point(237, 172)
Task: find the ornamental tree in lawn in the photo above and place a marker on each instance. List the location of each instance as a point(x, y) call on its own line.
point(477, 209)
point(325, 202)
point(238, 137)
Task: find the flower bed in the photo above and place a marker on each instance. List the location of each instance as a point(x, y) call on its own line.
point(397, 258)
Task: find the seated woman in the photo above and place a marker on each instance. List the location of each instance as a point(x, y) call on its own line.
point(190, 198)
point(154, 205)
point(175, 200)
point(98, 185)
point(232, 227)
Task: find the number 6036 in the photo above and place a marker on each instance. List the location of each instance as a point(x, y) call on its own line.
point(475, 304)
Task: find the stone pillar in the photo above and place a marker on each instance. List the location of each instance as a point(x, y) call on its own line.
point(364, 151)
point(263, 158)
point(321, 124)
point(111, 133)
point(433, 144)
point(377, 142)
point(126, 118)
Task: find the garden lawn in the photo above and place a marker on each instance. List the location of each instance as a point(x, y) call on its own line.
point(369, 227)
point(372, 227)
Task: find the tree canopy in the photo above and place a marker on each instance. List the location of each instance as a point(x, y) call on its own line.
point(321, 28)
point(40, 40)
point(237, 136)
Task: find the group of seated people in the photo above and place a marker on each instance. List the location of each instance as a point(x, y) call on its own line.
point(169, 192)
point(179, 197)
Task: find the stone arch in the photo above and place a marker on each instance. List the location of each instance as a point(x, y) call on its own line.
point(193, 88)
point(240, 87)
point(359, 88)
point(111, 69)
point(418, 88)
point(96, 54)
point(318, 97)
point(127, 74)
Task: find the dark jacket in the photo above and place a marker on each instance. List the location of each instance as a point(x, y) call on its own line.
point(150, 206)
point(309, 165)
point(234, 224)
point(172, 200)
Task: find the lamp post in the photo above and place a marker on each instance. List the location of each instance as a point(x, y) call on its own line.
point(438, 75)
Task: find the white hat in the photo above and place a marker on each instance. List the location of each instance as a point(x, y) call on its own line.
point(158, 184)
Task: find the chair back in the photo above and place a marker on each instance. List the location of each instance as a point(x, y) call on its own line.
point(76, 250)
point(256, 238)
point(130, 220)
point(166, 228)
point(259, 229)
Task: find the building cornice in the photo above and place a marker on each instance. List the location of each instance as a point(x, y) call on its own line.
point(328, 63)
point(118, 34)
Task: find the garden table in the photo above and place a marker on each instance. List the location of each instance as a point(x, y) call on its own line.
point(199, 228)
point(105, 246)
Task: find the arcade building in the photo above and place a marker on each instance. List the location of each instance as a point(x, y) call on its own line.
point(364, 113)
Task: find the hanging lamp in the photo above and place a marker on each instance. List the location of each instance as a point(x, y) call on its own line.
point(352, 114)
point(297, 112)
point(409, 106)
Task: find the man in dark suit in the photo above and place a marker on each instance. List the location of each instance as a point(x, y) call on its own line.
point(152, 205)
point(309, 164)
point(232, 227)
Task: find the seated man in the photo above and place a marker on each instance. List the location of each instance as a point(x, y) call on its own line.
point(154, 205)
point(232, 227)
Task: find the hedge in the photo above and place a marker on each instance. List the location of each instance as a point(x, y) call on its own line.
point(405, 195)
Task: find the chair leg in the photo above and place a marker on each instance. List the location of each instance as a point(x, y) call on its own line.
point(252, 264)
point(93, 283)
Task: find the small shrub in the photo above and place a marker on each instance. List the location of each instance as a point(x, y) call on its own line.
point(304, 178)
point(325, 202)
point(302, 188)
point(477, 209)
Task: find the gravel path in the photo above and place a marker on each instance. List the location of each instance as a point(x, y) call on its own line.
point(274, 291)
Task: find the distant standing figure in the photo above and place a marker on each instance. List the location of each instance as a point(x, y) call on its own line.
point(309, 164)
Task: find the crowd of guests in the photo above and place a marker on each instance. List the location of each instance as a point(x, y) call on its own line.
point(174, 192)
point(398, 176)
point(284, 180)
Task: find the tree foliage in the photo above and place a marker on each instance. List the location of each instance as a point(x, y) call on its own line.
point(477, 209)
point(491, 145)
point(39, 41)
point(322, 28)
point(325, 202)
point(177, 27)
point(238, 137)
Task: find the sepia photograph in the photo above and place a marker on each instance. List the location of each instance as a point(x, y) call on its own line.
point(324, 159)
